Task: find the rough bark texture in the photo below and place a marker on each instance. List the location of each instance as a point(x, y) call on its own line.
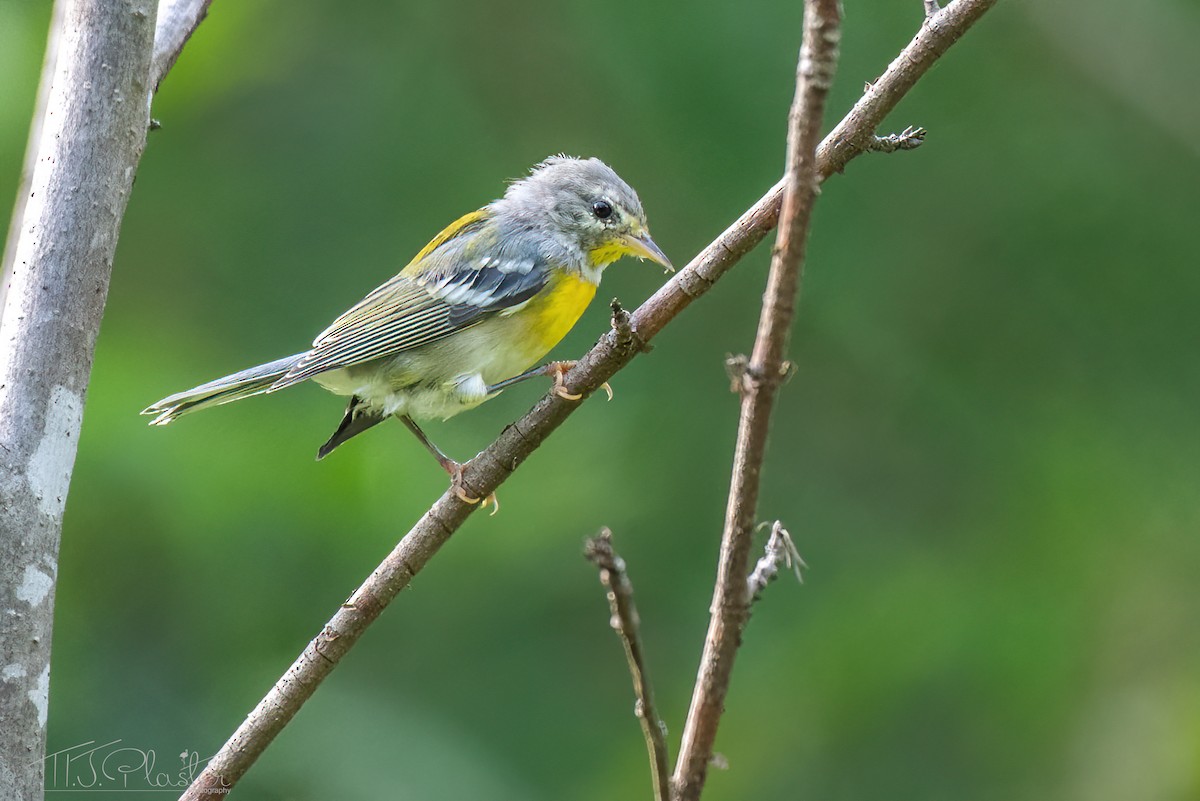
point(49, 61)
point(89, 143)
point(758, 384)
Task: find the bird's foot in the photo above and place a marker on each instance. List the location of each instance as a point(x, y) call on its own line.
point(455, 469)
point(559, 370)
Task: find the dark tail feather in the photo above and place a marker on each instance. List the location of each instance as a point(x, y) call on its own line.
point(356, 421)
point(252, 381)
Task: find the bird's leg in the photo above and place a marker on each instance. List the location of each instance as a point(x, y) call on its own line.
point(555, 370)
point(453, 468)
point(517, 379)
point(449, 465)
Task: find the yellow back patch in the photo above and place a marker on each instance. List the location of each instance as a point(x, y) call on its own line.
point(452, 230)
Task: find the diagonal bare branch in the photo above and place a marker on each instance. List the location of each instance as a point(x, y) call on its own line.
point(612, 352)
point(937, 33)
point(625, 622)
point(177, 21)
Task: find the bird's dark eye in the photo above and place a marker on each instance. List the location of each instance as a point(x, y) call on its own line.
point(602, 209)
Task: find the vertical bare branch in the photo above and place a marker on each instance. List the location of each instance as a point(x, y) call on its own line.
point(760, 381)
point(625, 622)
point(90, 140)
point(761, 375)
point(84, 147)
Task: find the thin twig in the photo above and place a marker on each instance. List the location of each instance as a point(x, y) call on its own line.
point(935, 36)
point(626, 624)
point(759, 383)
point(908, 139)
point(779, 551)
point(494, 465)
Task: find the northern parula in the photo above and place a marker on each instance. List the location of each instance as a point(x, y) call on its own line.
point(487, 298)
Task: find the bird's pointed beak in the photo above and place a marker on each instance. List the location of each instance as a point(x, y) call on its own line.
point(642, 246)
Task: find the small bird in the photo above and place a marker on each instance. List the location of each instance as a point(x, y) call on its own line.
point(487, 298)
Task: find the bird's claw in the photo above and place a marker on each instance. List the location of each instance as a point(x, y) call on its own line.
point(559, 371)
point(561, 392)
point(455, 469)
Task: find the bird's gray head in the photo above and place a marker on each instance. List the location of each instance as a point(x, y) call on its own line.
point(584, 206)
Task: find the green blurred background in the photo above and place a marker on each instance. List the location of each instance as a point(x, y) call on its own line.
point(988, 456)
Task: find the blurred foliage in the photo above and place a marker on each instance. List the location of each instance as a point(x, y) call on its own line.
point(988, 455)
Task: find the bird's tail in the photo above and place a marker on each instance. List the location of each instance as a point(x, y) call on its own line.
point(252, 381)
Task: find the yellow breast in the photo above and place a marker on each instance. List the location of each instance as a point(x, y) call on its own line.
point(555, 310)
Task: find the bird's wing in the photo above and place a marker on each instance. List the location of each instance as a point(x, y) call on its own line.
point(459, 279)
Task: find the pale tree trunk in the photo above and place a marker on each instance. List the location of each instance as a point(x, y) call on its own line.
point(84, 151)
